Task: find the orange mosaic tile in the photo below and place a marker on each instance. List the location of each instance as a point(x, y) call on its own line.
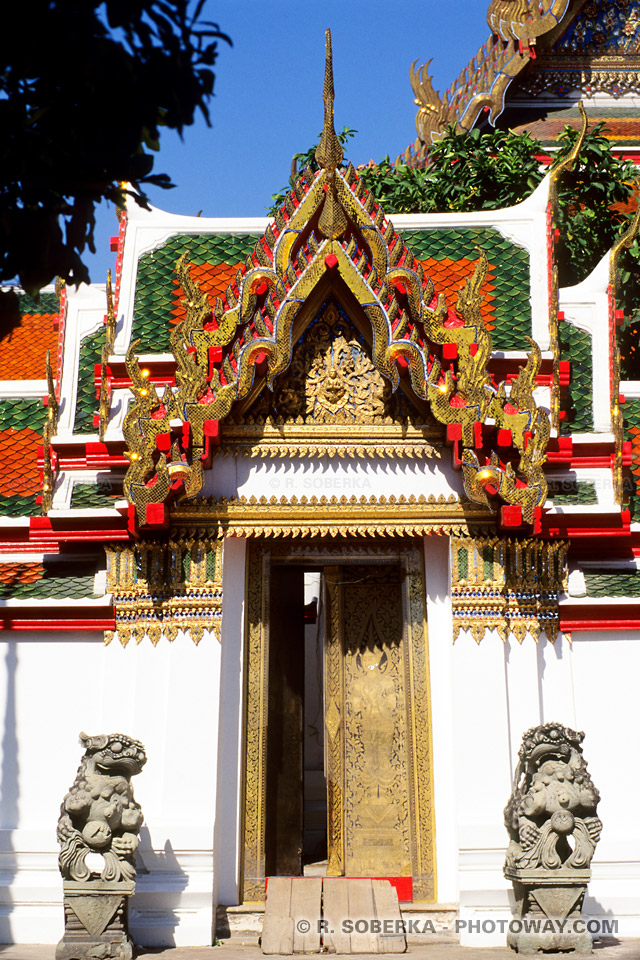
point(23, 351)
point(19, 475)
point(212, 278)
point(448, 276)
point(12, 573)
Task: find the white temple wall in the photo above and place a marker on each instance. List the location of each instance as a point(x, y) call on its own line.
point(500, 690)
point(51, 688)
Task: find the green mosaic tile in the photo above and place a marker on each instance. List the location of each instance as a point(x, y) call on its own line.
point(568, 492)
point(575, 346)
point(155, 281)
point(510, 274)
point(86, 403)
point(601, 583)
point(102, 494)
point(48, 303)
point(60, 581)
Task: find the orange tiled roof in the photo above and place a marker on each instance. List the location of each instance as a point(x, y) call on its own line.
point(623, 128)
point(212, 278)
point(448, 277)
point(23, 351)
point(12, 573)
point(19, 473)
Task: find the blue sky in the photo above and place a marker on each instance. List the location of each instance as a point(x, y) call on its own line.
point(268, 96)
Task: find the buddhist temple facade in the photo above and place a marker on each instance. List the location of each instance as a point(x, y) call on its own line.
point(325, 510)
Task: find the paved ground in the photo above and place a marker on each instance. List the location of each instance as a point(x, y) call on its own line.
point(611, 950)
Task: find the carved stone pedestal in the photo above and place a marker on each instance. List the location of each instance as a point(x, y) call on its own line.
point(95, 921)
point(548, 915)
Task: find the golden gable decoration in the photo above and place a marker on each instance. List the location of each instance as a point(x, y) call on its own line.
point(331, 238)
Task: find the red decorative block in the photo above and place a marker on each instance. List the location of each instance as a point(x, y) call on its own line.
point(157, 515)
point(449, 351)
point(163, 442)
point(504, 438)
point(511, 515)
point(331, 261)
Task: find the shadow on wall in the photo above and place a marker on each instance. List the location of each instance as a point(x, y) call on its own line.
point(160, 884)
point(9, 794)
point(605, 932)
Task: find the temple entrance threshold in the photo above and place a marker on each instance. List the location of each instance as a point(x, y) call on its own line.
point(338, 778)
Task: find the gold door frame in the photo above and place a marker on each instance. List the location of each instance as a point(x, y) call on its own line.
point(409, 555)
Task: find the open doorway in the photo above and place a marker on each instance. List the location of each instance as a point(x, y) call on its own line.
point(338, 776)
point(296, 787)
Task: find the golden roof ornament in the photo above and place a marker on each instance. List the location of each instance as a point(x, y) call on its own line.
point(333, 221)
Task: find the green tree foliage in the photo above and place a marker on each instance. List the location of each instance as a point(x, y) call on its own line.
point(85, 88)
point(474, 171)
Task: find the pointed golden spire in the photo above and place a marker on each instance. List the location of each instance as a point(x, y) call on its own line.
point(332, 222)
point(328, 152)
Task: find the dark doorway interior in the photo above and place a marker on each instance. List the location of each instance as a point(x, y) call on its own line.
point(296, 796)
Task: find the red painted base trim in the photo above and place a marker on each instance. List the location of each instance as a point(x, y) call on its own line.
point(403, 885)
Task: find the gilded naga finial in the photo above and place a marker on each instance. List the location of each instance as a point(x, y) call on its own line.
point(333, 221)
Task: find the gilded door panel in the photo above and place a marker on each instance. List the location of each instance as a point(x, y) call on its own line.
point(376, 795)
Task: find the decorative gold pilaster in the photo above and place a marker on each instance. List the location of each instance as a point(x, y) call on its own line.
point(107, 350)
point(334, 724)
point(617, 419)
point(162, 587)
point(511, 586)
point(50, 428)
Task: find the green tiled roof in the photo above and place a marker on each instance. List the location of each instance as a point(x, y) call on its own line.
point(155, 285)
point(567, 492)
point(20, 413)
point(59, 581)
point(575, 346)
point(47, 303)
point(605, 583)
point(509, 274)
point(86, 403)
point(85, 495)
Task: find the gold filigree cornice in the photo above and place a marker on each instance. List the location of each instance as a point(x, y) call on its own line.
point(335, 516)
point(354, 441)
